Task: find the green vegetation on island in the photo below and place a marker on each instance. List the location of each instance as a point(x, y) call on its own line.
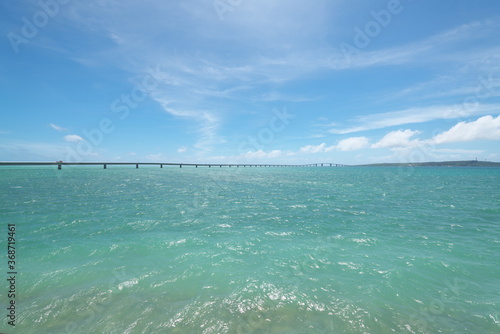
point(466, 163)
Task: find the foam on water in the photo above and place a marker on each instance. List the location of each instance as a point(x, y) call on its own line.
point(297, 250)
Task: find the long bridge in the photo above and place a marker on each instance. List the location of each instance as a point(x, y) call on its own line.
point(59, 164)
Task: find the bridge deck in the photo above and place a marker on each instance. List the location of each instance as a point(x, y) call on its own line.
point(59, 164)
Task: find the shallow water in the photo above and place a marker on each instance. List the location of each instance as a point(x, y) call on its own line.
point(253, 250)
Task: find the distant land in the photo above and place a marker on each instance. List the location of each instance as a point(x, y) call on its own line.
point(466, 163)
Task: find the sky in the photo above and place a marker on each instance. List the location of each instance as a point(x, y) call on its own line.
point(250, 81)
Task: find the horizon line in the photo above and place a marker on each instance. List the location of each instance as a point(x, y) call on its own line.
point(315, 164)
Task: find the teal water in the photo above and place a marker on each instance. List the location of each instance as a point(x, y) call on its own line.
point(253, 250)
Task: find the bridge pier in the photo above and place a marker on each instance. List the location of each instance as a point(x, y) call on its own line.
point(104, 166)
point(161, 165)
point(59, 166)
point(136, 165)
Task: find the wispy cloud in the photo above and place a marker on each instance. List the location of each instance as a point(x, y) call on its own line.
point(269, 50)
point(414, 115)
point(474, 79)
point(347, 144)
point(254, 156)
point(57, 127)
point(73, 138)
point(316, 148)
point(207, 123)
point(260, 154)
point(432, 49)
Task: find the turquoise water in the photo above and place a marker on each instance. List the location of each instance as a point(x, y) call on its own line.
point(253, 250)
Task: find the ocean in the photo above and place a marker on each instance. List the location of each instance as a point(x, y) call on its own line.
point(250, 250)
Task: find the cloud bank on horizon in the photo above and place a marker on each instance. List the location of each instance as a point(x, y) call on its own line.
point(269, 81)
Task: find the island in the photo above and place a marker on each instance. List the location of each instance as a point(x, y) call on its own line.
point(466, 163)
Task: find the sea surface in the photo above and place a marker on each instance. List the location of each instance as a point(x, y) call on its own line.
point(252, 250)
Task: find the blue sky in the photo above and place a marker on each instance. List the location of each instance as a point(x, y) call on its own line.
point(250, 81)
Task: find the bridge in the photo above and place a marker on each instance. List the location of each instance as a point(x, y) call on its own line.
point(326, 164)
point(59, 164)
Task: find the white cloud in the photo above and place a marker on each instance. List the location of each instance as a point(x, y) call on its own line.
point(486, 128)
point(316, 148)
point(399, 138)
point(57, 127)
point(252, 28)
point(73, 138)
point(276, 154)
point(260, 154)
point(252, 156)
point(353, 144)
point(415, 115)
point(349, 144)
point(182, 149)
